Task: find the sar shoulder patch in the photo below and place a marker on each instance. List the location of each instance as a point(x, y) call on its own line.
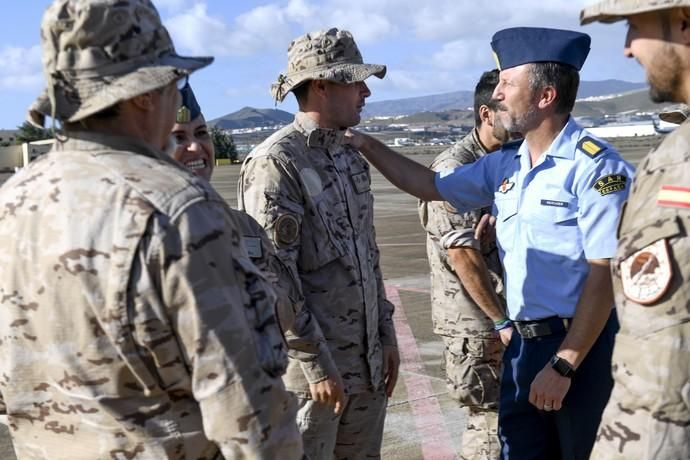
point(647, 273)
point(610, 184)
point(591, 146)
point(286, 230)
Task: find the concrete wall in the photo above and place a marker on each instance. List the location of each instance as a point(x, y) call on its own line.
point(11, 157)
point(609, 131)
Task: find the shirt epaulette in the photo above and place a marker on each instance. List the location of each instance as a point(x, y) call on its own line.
point(591, 147)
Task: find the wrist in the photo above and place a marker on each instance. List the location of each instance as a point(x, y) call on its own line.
point(501, 324)
point(562, 366)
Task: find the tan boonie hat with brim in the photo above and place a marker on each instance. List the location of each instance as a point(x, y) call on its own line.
point(97, 53)
point(617, 10)
point(324, 55)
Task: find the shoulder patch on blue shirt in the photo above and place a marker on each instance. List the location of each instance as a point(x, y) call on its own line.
point(591, 146)
point(610, 184)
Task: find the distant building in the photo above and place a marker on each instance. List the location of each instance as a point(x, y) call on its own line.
point(624, 130)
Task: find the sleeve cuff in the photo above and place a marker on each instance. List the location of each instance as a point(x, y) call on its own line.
point(321, 367)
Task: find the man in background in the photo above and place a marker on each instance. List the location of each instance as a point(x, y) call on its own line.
point(467, 286)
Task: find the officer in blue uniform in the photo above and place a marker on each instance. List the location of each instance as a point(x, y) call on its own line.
point(557, 196)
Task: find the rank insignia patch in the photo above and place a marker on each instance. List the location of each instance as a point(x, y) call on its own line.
point(647, 274)
point(286, 230)
point(610, 184)
point(591, 146)
point(673, 196)
point(506, 186)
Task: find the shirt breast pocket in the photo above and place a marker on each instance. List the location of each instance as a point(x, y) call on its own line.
point(556, 211)
point(320, 243)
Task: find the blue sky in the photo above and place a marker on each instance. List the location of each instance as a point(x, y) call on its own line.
point(429, 46)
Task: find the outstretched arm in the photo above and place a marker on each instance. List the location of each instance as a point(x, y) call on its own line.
point(408, 175)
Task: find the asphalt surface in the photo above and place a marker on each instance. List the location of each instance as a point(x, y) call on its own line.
point(422, 421)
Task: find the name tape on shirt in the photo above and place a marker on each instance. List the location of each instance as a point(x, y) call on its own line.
point(558, 204)
point(673, 196)
point(591, 146)
point(610, 184)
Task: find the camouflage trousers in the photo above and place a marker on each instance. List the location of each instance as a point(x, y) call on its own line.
point(648, 415)
point(354, 434)
point(473, 369)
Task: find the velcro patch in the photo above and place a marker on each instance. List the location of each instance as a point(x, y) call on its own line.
point(361, 182)
point(646, 274)
point(253, 246)
point(286, 230)
point(610, 184)
point(591, 146)
point(673, 196)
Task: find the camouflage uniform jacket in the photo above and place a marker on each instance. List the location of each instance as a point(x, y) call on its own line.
point(132, 321)
point(312, 195)
point(454, 313)
point(650, 275)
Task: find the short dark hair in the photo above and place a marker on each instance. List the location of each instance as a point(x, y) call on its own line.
point(301, 93)
point(483, 92)
point(565, 78)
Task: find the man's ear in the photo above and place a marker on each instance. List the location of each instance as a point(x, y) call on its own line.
point(485, 115)
point(682, 18)
point(144, 102)
point(320, 88)
point(547, 97)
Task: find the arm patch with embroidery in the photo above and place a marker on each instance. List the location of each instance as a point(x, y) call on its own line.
point(610, 184)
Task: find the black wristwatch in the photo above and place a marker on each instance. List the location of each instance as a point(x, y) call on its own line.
point(562, 366)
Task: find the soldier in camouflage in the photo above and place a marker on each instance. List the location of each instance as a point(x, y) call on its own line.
point(133, 322)
point(467, 287)
point(312, 195)
point(648, 415)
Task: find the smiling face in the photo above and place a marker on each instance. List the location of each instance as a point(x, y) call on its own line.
point(344, 104)
point(194, 147)
point(517, 103)
point(648, 41)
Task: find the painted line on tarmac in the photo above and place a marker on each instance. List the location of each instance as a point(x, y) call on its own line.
point(411, 289)
point(428, 418)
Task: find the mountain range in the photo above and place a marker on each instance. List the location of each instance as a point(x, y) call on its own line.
point(595, 98)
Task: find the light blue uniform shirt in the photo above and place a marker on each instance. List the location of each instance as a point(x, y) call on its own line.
point(551, 218)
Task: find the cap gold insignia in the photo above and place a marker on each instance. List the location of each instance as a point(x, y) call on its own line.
point(184, 115)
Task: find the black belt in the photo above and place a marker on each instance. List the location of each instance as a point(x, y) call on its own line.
point(542, 327)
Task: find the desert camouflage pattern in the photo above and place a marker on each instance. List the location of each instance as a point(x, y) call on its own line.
point(355, 434)
point(88, 46)
point(133, 322)
point(617, 10)
point(472, 351)
point(324, 55)
point(648, 416)
point(312, 195)
point(453, 311)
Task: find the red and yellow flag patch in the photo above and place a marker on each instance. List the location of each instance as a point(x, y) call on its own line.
point(674, 196)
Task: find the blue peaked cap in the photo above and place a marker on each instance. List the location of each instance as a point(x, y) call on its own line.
point(521, 45)
point(189, 109)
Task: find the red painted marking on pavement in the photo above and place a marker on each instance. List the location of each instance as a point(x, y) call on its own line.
point(436, 443)
point(411, 289)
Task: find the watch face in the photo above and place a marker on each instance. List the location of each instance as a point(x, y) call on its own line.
point(646, 274)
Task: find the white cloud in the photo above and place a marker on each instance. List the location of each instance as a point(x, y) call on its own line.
point(21, 68)
point(198, 32)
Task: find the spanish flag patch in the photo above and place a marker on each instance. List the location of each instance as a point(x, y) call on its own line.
point(591, 146)
point(673, 196)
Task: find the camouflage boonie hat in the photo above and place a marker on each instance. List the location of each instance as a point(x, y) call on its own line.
point(97, 53)
point(324, 55)
point(617, 10)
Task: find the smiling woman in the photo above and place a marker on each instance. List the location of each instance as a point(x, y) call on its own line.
point(194, 146)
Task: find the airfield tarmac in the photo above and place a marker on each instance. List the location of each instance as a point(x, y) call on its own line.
point(422, 421)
